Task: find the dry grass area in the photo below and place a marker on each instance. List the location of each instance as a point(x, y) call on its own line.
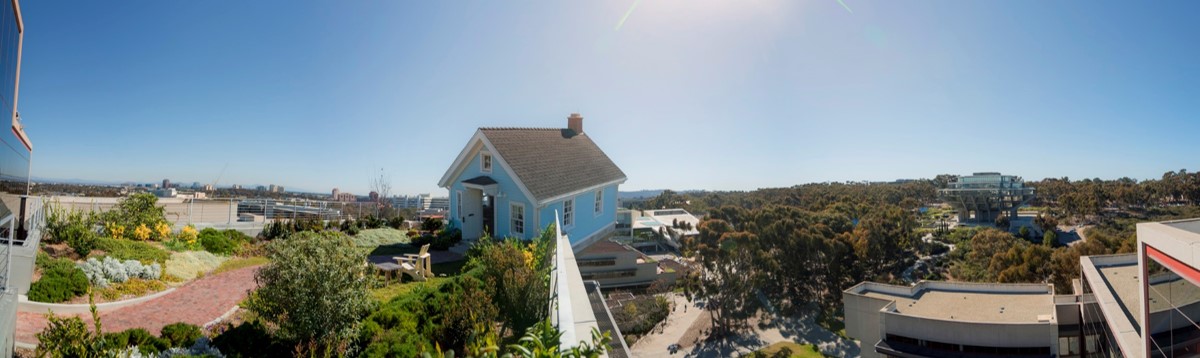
point(190, 264)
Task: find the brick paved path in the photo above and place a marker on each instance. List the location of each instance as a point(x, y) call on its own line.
point(198, 302)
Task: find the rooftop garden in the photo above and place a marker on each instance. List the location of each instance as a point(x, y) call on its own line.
point(317, 293)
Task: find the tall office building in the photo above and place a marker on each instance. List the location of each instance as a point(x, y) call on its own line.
point(166, 183)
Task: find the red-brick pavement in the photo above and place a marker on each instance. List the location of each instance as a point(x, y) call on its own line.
point(198, 302)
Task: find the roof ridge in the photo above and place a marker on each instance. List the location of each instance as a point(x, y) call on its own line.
point(520, 128)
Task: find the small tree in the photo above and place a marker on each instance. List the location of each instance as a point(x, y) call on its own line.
point(315, 289)
point(1024, 232)
point(1050, 238)
point(1002, 222)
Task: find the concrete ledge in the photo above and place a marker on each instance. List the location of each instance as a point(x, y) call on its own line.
point(25, 305)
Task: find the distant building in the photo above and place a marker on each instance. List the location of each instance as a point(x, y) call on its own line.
point(165, 192)
point(166, 183)
point(1141, 304)
point(196, 185)
point(261, 188)
point(275, 188)
point(208, 187)
point(237, 186)
point(982, 197)
point(439, 203)
point(345, 197)
point(334, 195)
point(616, 265)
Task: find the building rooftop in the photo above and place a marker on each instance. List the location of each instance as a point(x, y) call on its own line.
point(553, 161)
point(1000, 303)
point(1190, 225)
point(604, 247)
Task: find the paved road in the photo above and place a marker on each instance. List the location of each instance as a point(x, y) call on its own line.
point(198, 302)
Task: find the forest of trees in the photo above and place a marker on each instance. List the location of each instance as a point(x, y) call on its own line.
point(800, 247)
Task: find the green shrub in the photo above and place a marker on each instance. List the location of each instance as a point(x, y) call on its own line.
point(396, 222)
point(217, 242)
point(249, 339)
point(132, 250)
point(61, 281)
point(445, 239)
point(68, 337)
point(137, 337)
point(181, 334)
point(431, 224)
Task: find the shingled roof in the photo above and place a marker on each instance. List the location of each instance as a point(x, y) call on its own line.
point(552, 161)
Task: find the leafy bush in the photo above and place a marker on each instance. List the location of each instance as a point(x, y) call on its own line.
point(446, 238)
point(181, 334)
point(248, 339)
point(132, 250)
point(421, 240)
point(69, 337)
point(60, 282)
point(76, 228)
point(431, 224)
point(188, 264)
point(639, 316)
point(315, 290)
point(134, 211)
point(396, 222)
point(55, 289)
point(217, 242)
point(100, 273)
point(137, 337)
point(372, 222)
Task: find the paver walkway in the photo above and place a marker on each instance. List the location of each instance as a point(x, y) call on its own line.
point(198, 302)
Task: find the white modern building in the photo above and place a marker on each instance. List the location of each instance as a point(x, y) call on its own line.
point(1144, 304)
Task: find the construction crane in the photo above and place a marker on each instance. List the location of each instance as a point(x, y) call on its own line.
point(222, 174)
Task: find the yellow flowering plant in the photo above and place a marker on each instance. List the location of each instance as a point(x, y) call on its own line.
point(141, 232)
point(163, 230)
point(189, 234)
point(114, 230)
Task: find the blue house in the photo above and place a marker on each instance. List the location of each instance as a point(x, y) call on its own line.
point(509, 182)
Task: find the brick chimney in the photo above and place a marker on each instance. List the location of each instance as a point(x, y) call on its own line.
point(575, 123)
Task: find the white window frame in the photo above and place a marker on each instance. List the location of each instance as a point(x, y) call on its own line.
point(569, 218)
point(458, 203)
point(486, 162)
point(512, 219)
point(598, 206)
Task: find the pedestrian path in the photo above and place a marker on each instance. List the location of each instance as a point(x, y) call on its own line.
point(197, 302)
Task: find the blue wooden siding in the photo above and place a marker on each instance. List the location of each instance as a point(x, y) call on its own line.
point(508, 192)
point(586, 219)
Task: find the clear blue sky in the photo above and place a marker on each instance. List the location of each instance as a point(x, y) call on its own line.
point(681, 94)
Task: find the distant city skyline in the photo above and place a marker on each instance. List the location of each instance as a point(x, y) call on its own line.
point(681, 94)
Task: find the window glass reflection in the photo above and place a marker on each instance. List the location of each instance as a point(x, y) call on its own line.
point(1174, 310)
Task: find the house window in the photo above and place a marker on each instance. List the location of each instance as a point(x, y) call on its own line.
point(458, 203)
point(569, 212)
point(518, 219)
point(485, 163)
point(599, 206)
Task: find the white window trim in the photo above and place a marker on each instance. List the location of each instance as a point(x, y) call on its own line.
point(491, 162)
point(524, 218)
point(598, 206)
point(574, 213)
point(458, 202)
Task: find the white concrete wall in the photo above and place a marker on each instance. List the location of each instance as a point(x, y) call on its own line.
point(973, 333)
point(863, 321)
